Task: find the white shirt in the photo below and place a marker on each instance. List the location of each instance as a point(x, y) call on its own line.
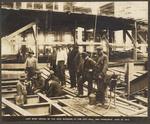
point(61, 56)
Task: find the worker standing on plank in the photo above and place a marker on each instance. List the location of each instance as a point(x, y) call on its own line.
point(100, 74)
point(61, 61)
point(71, 66)
point(31, 65)
point(87, 74)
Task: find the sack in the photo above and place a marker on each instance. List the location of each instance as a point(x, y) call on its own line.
point(19, 100)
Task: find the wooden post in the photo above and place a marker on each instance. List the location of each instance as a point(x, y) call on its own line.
point(134, 33)
point(75, 26)
point(35, 34)
point(107, 41)
point(94, 37)
point(124, 38)
point(53, 6)
point(44, 6)
point(32, 5)
point(46, 21)
point(129, 71)
point(24, 5)
point(14, 5)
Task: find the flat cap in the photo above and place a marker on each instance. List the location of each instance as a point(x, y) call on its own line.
point(31, 52)
point(99, 48)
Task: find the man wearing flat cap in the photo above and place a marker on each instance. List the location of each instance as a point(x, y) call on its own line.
point(100, 73)
point(87, 74)
point(31, 65)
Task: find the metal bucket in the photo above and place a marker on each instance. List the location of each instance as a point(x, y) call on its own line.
point(92, 99)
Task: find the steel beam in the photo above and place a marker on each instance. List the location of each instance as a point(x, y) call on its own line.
point(139, 84)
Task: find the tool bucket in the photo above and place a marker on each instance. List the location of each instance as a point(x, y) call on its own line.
point(92, 99)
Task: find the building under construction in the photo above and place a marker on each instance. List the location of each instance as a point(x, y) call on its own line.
point(41, 26)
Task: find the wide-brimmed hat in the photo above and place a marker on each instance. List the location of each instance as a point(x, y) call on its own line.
point(31, 52)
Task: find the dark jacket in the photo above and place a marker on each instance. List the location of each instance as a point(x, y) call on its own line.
point(88, 67)
point(102, 62)
point(40, 84)
point(53, 89)
point(70, 60)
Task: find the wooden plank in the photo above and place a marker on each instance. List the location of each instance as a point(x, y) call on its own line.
point(20, 30)
point(51, 102)
point(58, 115)
point(131, 103)
point(124, 106)
point(142, 99)
point(59, 97)
point(36, 104)
point(15, 108)
point(71, 111)
point(80, 109)
point(127, 101)
point(137, 74)
point(5, 89)
point(19, 66)
point(138, 112)
point(9, 94)
point(40, 108)
point(142, 39)
point(10, 81)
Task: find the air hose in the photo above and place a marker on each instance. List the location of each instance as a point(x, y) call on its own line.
point(113, 83)
point(115, 102)
point(108, 106)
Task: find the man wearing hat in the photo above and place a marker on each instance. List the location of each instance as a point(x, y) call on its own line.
point(52, 86)
point(71, 65)
point(31, 65)
point(87, 74)
point(61, 61)
point(21, 88)
point(39, 82)
point(100, 74)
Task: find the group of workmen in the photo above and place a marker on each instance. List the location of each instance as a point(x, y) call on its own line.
point(81, 68)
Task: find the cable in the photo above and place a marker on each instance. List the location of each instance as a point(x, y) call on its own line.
point(108, 106)
point(115, 102)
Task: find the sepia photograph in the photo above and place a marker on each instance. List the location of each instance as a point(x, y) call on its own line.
point(74, 61)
